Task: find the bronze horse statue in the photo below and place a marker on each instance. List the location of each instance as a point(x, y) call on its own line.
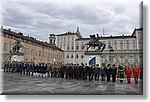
point(94, 42)
point(16, 47)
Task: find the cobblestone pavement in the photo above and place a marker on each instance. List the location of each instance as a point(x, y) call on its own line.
point(25, 84)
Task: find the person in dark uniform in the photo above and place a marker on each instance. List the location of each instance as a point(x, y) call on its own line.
point(96, 70)
point(67, 71)
point(114, 72)
point(91, 72)
point(33, 68)
point(121, 73)
point(103, 72)
point(20, 67)
point(78, 71)
point(62, 70)
point(108, 72)
point(81, 71)
point(70, 70)
point(141, 73)
point(75, 70)
point(85, 72)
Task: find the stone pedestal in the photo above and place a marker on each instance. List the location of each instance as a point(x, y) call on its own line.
point(17, 57)
point(92, 55)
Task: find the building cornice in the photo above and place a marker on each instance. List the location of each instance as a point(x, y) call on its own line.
point(20, 35)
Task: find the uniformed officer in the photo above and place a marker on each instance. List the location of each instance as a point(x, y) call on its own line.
point(85, 71)
point(75, 70)
point(136, 73)
point(81, 71)
point(108, 72)
point(62, 70)
point(141, 73)
point(114, 72)
point(103, 72)
point(78, 71)
point(20, 67)
point(121, 73)
point(128, 73)
point(91, 72)
point(96, 72)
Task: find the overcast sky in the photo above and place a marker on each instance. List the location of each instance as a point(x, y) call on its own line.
point(39, 18)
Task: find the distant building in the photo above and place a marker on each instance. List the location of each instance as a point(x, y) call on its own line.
point(127, 49)
point(34, 50)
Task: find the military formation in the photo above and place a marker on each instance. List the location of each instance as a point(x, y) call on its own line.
point(109, 73)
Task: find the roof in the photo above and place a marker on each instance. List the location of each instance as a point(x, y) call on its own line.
point(70, 33)
point(135, 30)
point(20, 35)
point(109, 37)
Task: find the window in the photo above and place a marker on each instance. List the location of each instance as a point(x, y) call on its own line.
point(5, 47)
point(133, 44)
point(82, 47)
point(67, 56)
point(109, 43)
point(43, 54)
point(46, 54)
point(72, 47)
point(77, 47)
point(71, 56)
point(39, 53)
point(64, 38)
point(36, 53)
point(127, 44)
point(50, 40)
point(115, 45)
point(121, 45)
point(68, 47)
point(82, 56)
point(32, 52)
point(77, 56)
point(27, 50)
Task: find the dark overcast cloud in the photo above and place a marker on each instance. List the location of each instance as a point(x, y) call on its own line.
point(39, 18)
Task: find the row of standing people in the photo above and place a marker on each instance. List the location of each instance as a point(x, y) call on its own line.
point(76, 71)
point(25, 68)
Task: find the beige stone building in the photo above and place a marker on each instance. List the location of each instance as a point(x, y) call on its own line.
point(34, 50)
point(128, 49)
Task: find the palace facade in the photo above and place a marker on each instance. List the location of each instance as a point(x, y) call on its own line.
point(128, 49)
point(33, 50)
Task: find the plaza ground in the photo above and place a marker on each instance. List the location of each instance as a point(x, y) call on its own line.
point(17, 84)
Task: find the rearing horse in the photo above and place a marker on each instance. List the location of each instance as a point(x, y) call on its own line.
point(17, 46)
point(94, 42)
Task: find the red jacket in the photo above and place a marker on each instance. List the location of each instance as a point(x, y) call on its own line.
point(135, 70)
point(128, 71)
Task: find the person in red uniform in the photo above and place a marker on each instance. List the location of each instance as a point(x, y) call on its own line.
point(136, 73)
point(128, 73)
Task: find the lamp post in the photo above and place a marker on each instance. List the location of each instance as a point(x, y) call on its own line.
point(111, 50)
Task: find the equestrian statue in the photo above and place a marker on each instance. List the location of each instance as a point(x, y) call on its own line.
point(16, 47)
point(95, 42)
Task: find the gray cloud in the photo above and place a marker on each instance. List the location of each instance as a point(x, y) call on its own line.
point(39, 19)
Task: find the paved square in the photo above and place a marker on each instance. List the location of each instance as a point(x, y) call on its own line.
point(25, 84)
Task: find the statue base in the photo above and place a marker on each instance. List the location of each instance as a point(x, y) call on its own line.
point(93, 57)
point(17, 57)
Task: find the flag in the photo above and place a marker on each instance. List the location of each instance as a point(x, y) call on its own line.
point(92, 61)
